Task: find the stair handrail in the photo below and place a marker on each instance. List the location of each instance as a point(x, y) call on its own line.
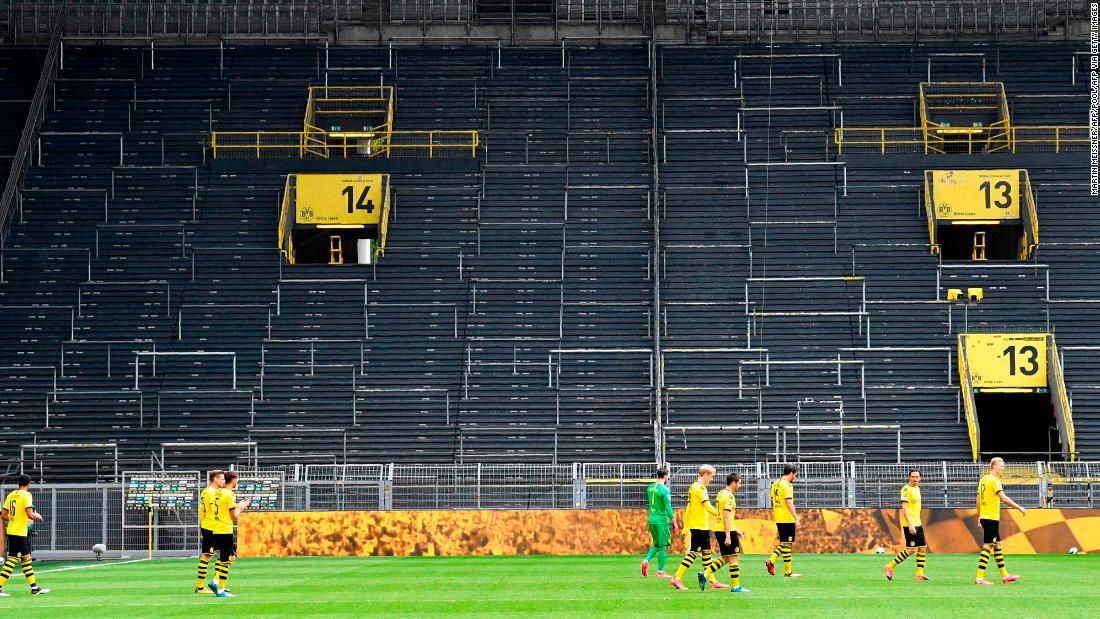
point(36, 114)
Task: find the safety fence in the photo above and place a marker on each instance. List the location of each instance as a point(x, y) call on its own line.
point(1015, 139)
point(80, 515)
point(26, 19)
point(316, 143)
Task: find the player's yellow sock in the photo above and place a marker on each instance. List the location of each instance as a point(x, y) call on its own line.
point(689, 559)
point(898, 558)
point(735, 575)
point(788, 558)
point(203, 565)
point(707, 560)
point(983, 562)
point(999, 557)
point(28, 571)
point(9, 567)
point(920, 562)
point(714, 566)
point(221, 571)
point(775, 553)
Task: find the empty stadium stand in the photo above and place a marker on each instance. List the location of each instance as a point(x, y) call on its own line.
point(658, 252)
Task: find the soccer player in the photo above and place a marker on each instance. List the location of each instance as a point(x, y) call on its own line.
point(226, 511)
point(661, 520)
point(206, 525)
point(786, 521)
point(990, 495)
point(727, 535)
point(697, 522)
point(17, 512)
point(911, 527)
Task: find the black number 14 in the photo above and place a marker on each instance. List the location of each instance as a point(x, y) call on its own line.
point(362, 204)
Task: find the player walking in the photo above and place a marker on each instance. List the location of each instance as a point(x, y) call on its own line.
point(17, 512)
point(990, 495)
point(911, 527)
point(697, 522)
point(786, 521)
point(662, 522)
point(727, 535)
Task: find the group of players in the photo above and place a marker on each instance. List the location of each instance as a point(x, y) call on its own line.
point(703, 520)
point(218, 510)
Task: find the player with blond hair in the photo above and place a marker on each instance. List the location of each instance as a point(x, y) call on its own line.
point(697, 519)
point(990, 495)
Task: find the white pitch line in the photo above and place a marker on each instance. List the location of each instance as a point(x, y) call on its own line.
point(84, 567)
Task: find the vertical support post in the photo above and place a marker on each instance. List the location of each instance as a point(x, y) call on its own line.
point(53, 518)
point(103, 517)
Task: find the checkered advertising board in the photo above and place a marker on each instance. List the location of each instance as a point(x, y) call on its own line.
point(624, 531)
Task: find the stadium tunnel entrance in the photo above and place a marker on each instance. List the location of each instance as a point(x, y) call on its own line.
point(1018, 423)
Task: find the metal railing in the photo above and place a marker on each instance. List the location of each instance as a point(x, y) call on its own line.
point(1015, 139)
point(26, 19)
point(431, 144)
point(36, 114)
point(79, 515)
point(874, 18)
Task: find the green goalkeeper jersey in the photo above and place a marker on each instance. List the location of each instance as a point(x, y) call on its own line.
point(660, 503)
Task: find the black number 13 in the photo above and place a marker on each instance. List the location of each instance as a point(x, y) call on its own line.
point(1032, 361)
point(1006, 193)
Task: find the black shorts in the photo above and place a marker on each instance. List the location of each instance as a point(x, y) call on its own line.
point(914, 540)
point(17, 546)
point(225, 545)
point(991, 531)
point(728, 550)
point(206, 541)
point(786, 531)
point(700, 540)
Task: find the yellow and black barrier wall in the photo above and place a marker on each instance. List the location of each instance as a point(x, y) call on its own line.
point(623, 531)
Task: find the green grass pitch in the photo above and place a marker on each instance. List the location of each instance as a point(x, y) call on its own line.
point(1057, 586)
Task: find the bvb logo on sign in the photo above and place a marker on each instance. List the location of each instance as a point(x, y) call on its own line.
point(944, 209)
point(976, 377)
point(307, 213)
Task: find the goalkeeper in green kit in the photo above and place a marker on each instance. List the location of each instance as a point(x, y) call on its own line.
point(662, 522)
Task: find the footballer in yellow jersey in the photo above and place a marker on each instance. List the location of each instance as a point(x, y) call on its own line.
point(697, 519)
point(17, 514)
point(911, 527)
point(990, 495)
point(786, 521)
point(727, 535)
point(206, 525)
point(226, 510)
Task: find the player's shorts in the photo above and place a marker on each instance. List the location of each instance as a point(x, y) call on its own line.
point(206, 541)
point(225, 545)
point(914, 540)
point(728, 550)
point(17, 545)
point(786, 531)
point(700, 540)
point(991, 531)
point(662, 536)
